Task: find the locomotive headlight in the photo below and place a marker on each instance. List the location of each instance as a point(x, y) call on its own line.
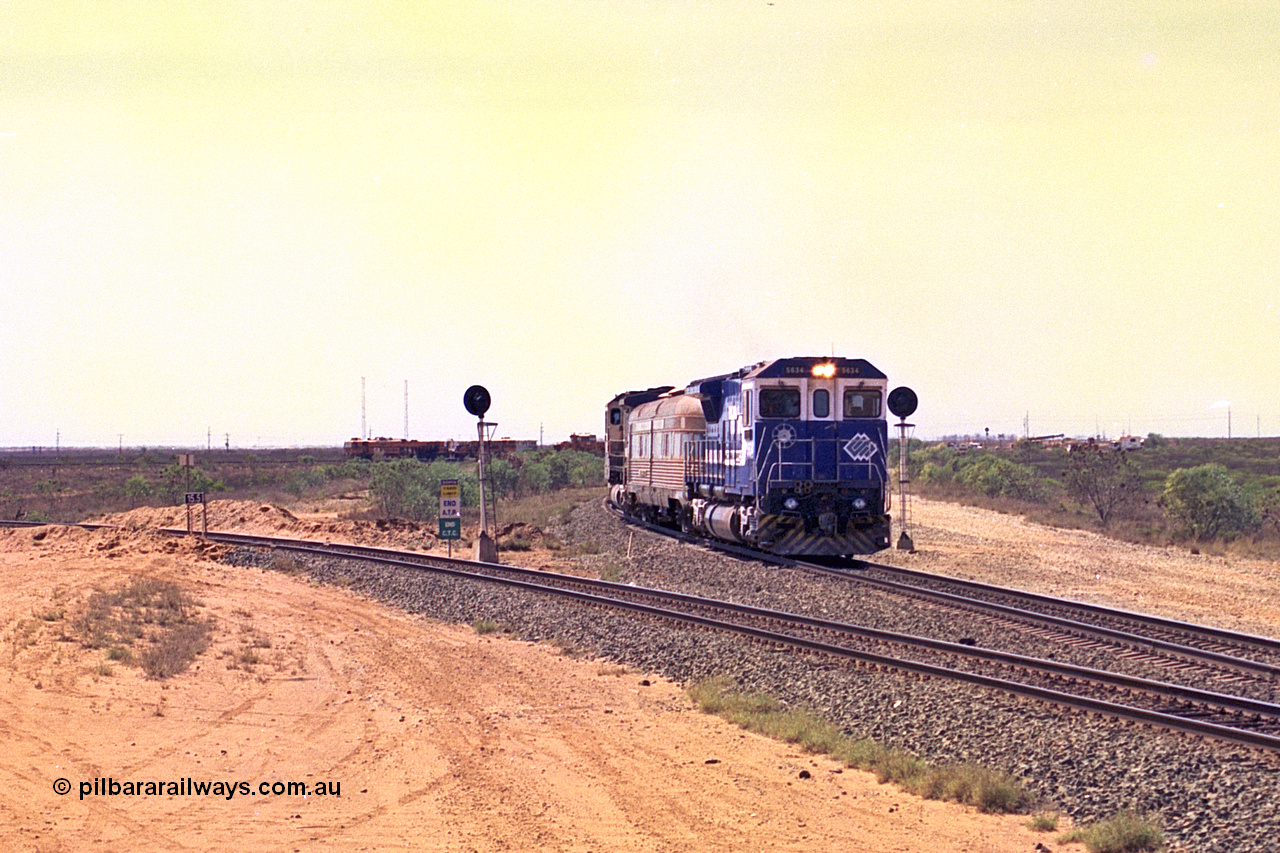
point(791, 504)
point(859, 503)
point(824, 371)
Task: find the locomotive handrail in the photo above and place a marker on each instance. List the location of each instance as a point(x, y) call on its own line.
point(780, 463)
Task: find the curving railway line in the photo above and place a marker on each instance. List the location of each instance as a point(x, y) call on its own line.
point(1229, 717)
point(1186, 649)
point(1094, 737)
point(1226, 716)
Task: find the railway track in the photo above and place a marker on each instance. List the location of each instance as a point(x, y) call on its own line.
point(1236, 719)
point(1184, 649)
point(1154, 631)
point(1231, 718)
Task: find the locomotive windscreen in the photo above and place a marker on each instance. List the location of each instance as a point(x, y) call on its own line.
point(861, 404)
point(779, 402)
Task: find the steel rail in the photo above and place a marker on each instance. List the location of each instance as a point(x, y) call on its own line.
point(80, 524)
point(1267, 670)
point(454, 567)
point(536, 580)
point(1120, 680)
point(1144, 619)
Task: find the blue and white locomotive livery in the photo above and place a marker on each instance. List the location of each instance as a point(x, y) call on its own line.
point(785, 456)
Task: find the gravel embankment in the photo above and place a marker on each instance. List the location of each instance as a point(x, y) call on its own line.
point(1209, 797)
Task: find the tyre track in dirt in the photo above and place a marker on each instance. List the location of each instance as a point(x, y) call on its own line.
point(440, 738)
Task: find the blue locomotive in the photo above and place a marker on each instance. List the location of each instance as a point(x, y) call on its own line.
point(785, 456)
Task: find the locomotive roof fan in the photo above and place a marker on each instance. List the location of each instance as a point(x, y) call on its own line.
point(902, 402)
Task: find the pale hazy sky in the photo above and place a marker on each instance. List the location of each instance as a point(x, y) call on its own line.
point(219, 216)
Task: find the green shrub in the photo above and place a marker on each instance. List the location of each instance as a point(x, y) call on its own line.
point(535, 478)
point(503, 477)
point(935, 463)
point(995, 476)
point(1208, 503)
point(406, 488)
point(1104, 480)
point(138, 487)
point(1127, 832)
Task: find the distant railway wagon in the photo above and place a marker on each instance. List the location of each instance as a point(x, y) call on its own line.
point(584, 443)
point(785, 456)
point(399, 448)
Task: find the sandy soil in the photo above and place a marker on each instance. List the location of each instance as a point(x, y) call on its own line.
point(961, 541)
point(434, 737)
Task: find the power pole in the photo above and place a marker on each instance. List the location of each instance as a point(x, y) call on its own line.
point(406, 410)
point(363, 423)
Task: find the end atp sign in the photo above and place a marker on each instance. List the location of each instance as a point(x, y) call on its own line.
point(450, 510)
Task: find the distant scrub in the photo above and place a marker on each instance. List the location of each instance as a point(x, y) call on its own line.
point(410, 489)
point(407, 488)
point(983, 473)
point(1203, 490)
point(1208, 503)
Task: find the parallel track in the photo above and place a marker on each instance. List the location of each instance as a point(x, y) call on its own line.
point(1232, 718)
point(1185, 647)
point(1229, 718)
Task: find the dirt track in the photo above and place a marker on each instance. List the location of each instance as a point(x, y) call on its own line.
point(440, 739)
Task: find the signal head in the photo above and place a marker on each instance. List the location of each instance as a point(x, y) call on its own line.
point(476, 399)
point(902, 401)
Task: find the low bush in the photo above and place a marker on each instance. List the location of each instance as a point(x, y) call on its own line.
point(985, 789)
point(1127, 832)
point(514, 542)
point(1208, 503)
point(145, 607)
point(1043, 823)
point(173, 651)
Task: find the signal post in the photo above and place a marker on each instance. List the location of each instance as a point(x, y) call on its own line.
point(477, 400)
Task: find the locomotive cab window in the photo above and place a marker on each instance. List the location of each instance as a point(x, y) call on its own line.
point(859, 403)
point(779, 402)
point(822, 403)
point(615, 416)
